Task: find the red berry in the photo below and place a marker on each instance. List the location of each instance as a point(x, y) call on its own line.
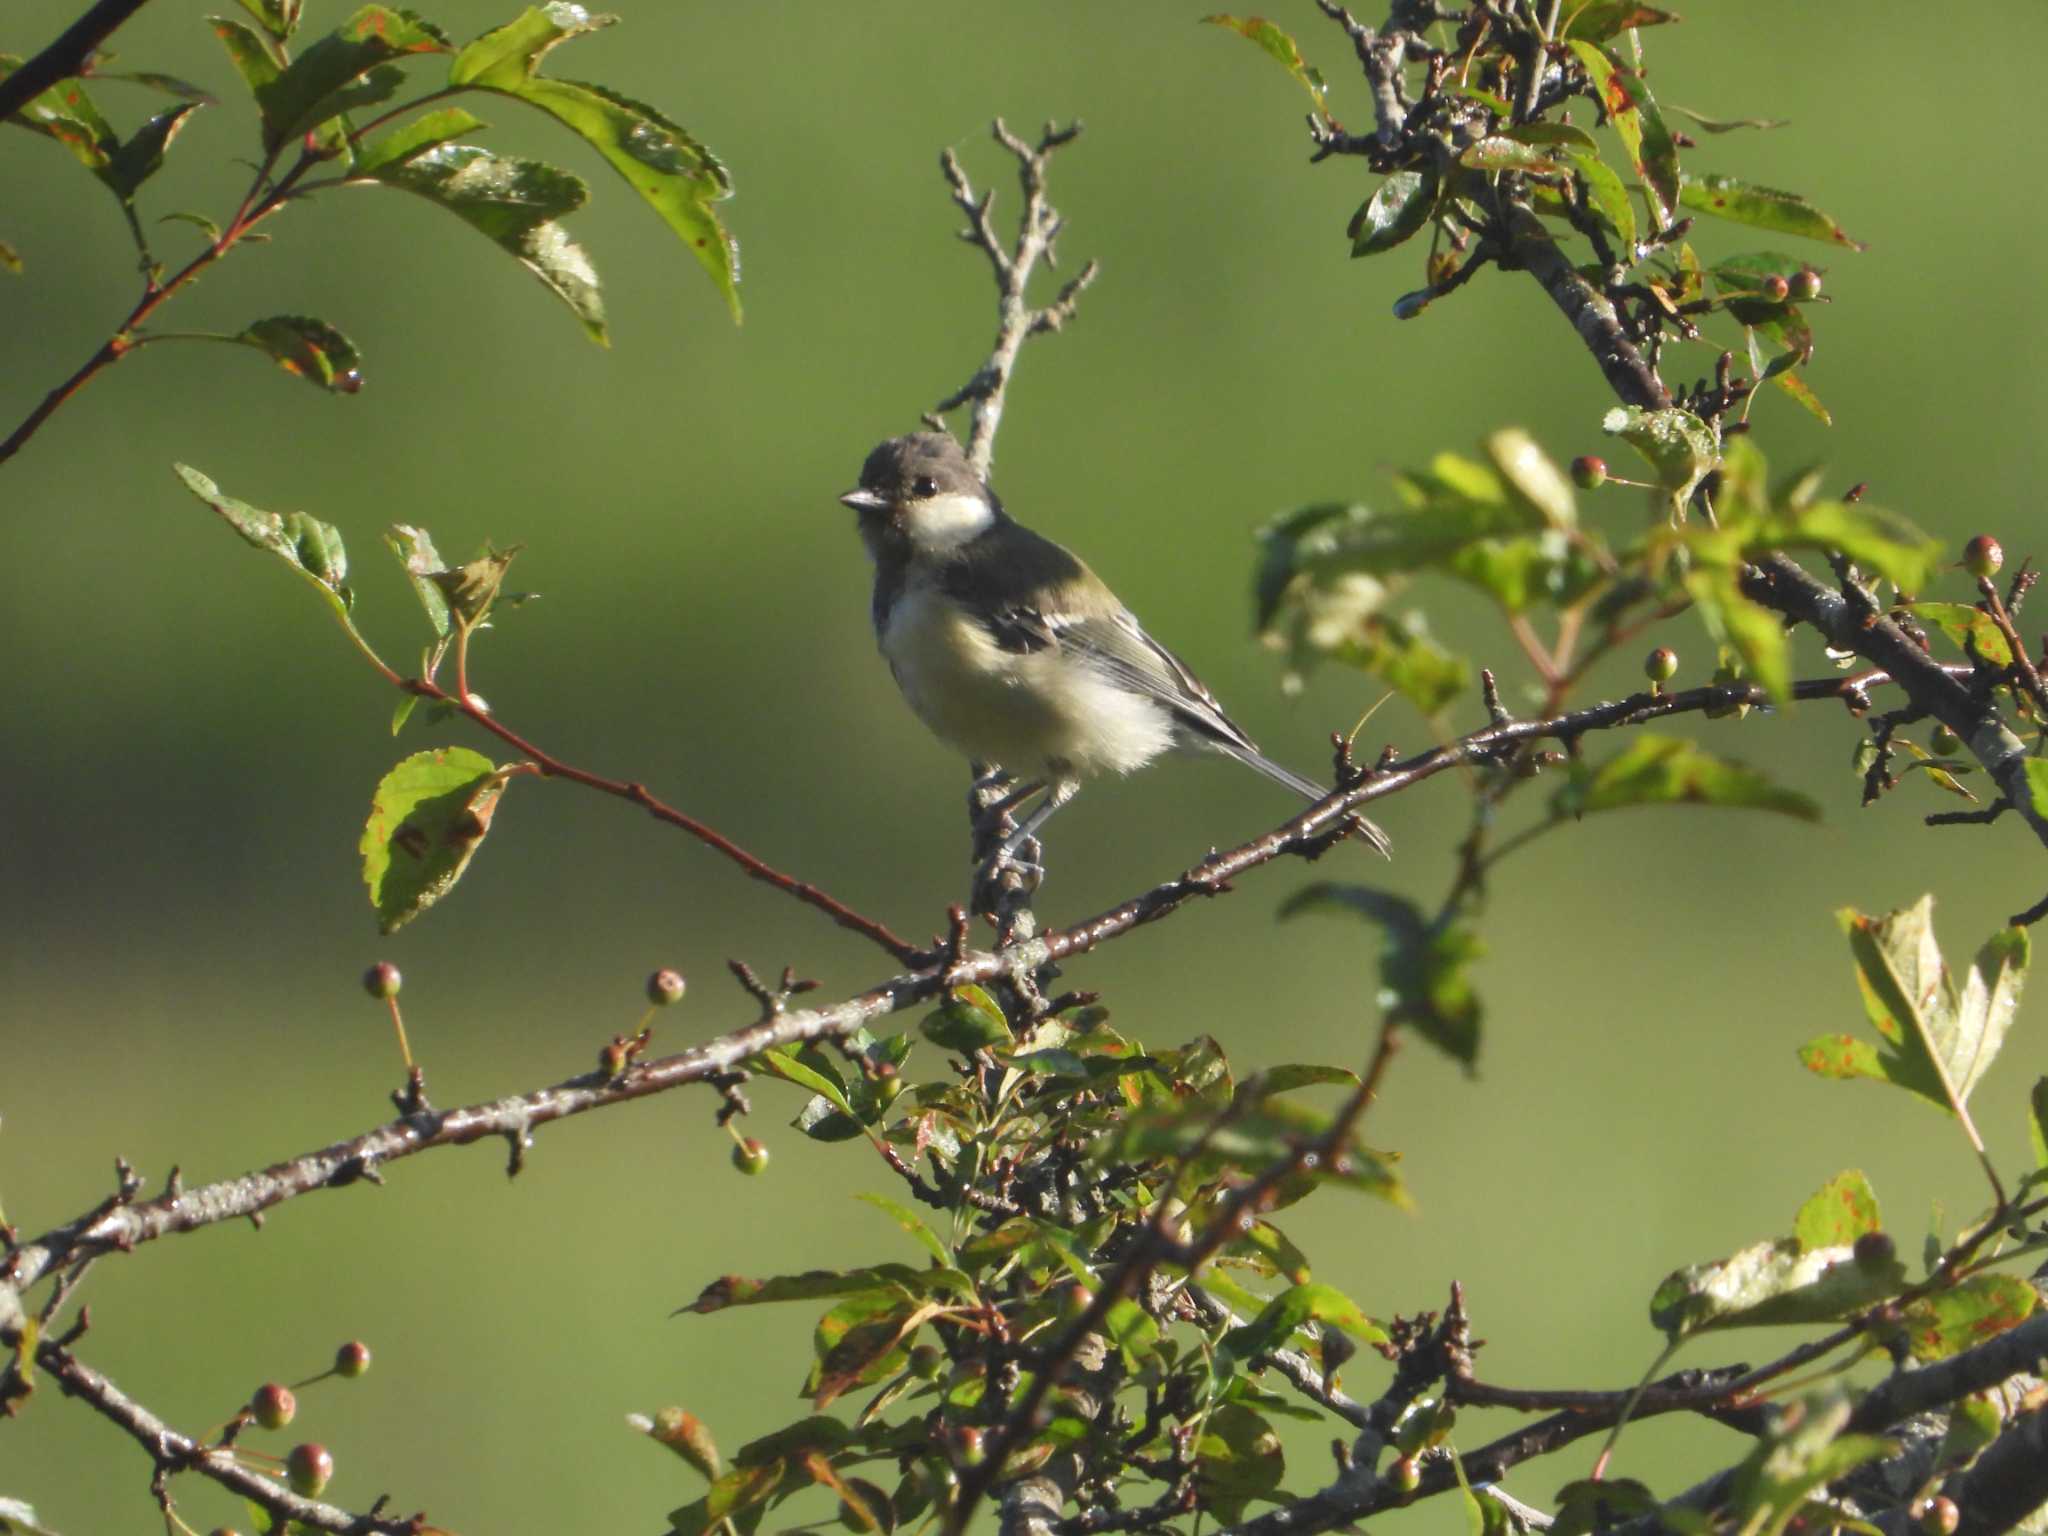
point(1938, 1516)
point(1776, 289)
point(1405, 1474)
point(382, 980)
point(1983, 555)
point(308, 1468)
point(352, 1359)
point(273, 1406)
point(1589, 472)
point(666, 987)
point(1661, 665)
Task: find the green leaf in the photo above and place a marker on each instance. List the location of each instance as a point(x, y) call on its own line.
point(255, 58)
point(1204, 1147)
point(1663, 770)
point(1131, 1329)
point(1771, 1284)
point(1633, 113)
point(1838, 1213)
point(18, 1518)
point(170, 85)
point(2037, 784)
point(1278, 46)
point(2037, 1122)
point(1727, 124)
point(198, 221)
point(1606, 195)
point(898, 1281)
point(1502, 152)
point(969, 1022)
point(1973, 1312)
point(1881, 542)
point(1424, 966)
point(1679, 447)
point(674, 174)
point(1238, 1458)
point(1603, 18)
point(427, 819)
point(910, 1222)
point(1394, 212)
point(1298, 1074)
point(785, 1066)
point(1533, 478)
point(1802, 1449)
point(135, 161)
point(1938, 1041)
point(397, 145)
point(10, 258)
point(309, 546)
point(516, 204)
point(413, 548)
point(279, 17)
point(1297, 1305)
point(1966, 626)
point(1753, 632)
point(1741, 202)
point(729, 1500)
point(1589, 1504)
point(309, 349)
point(316, 85)
point(66, 113)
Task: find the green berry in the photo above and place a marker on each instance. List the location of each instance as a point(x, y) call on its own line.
point(382, 981)
point(666, 987)
point(1661, 665)
point(352, 1359)
point(1589, 472)
point(273, 1406)
point(1983, 555)
point(1805, 284)
point(308, 1468)
point(1945, 742)
point(926, 1361)
point(973, 1446)
point(1405, 1474)
point(750, 1157)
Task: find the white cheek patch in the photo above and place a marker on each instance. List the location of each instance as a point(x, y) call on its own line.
point(939, 522)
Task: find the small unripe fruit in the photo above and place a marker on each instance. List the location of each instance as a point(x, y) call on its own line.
point(1405, 1474)
point(308, 1468)
point(1938, 1516)
point(1776, 289)
point(1661, 665)
point(666, 987)
point(973, 1446)
point(273, 1406)
point(926, 1361)
point(750, 1157)
point(223, 1530)
point(1075, 1300)
point(1805, 284)
point(1946, 743)
point(382, 981)
point(613, 1059)
point(1983, 555)
point(1875, 1250)
point(352, 1359)
point(1589, 472)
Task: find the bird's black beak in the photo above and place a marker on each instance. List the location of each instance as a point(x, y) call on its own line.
point(864, 500)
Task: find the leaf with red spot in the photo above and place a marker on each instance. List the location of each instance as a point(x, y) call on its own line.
point(1838, 1213)
point(341, 71)
point(309, 349)
point(427, 819)
point(1980, 1308)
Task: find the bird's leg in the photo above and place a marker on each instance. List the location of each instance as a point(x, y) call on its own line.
point(1061, 792)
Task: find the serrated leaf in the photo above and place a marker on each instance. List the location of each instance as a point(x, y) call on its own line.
point(1664, 770)
point(1742, 202)
point(397, 145)
point(1279, 47)
point(1424, 965)
point(1394, 212)
point(1970, 1313)
point(677, 176)
point(309, 546)
point(317, 84)
point(309, 349)
point(1838, 1213)
point(1771, 1284)
point(1297, 1305)
point(517, 205)
point(428, 817)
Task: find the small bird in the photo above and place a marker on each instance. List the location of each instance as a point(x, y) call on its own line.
point(1009, 648)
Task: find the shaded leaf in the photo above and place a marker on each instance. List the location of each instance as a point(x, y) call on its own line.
point(1741, 202)
point(1238, 1458)
point(142, 155)
point(730, 1498)
point(1838, 1213)
point(516, 204)
point(2037, 1122)
point(1803, 1449)
point(1297, 1305)
point(1278, 46)
point(1424, 966)
point(255, 59)
point(1591, 1504)
point(1394, 212)
point(10, 258)
point(1679, 447)
point(674, 174)
point(309, 546)
point(309, 349)
point(910, 1222)
point(198, 221)
point(1727, 124)
point(1273, 1131)
point(1663, 770)
point(970, 1021)
point(428, 817)
point(1970, 1313)
point(316, 85)
point(1603, 18)
point(170, 85)
point(1752, 632)
point(900, 1280)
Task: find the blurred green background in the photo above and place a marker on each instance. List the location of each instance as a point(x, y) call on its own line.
point(189, 746)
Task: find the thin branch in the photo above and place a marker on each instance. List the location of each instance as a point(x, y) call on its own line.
point(69, 55)
point(1038, 229)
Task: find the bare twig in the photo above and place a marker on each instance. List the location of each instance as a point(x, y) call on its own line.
point(71, 54)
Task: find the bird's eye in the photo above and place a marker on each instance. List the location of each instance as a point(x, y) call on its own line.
point(923, 486)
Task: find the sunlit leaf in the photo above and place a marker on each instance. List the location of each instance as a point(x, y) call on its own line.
point(676, 175)
point(397, 145)
point(1425, 966)
point(1293, 1307)
point(428, 817)
point(1664, 770)
point(1633, 113)
point(309, 349)
point(900, 1280)
point(969, 1021)
point(309, 546)
point(1770, 1284)
point(1606, 195)
point(1750, 631)
point(1678, 446)
point(1392, 214)
point(1965, 1315)
point(413, 548)
point(316, 85)
point(255, 58)
point(912, 1223)
point(1838, 1213)
point(1966, 625)
point(517, 205)
point(1601, 19)
point(1278, 46)
point(1741, 202)
point(728, 1501)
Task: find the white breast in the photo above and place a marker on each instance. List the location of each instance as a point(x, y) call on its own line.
point(1033, 712)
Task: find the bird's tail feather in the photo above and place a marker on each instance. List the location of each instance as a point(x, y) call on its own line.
point(1308, 789)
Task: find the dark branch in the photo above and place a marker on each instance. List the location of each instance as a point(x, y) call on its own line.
point(69, 55)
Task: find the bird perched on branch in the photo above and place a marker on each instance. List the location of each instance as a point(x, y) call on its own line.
point(1009, 648)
